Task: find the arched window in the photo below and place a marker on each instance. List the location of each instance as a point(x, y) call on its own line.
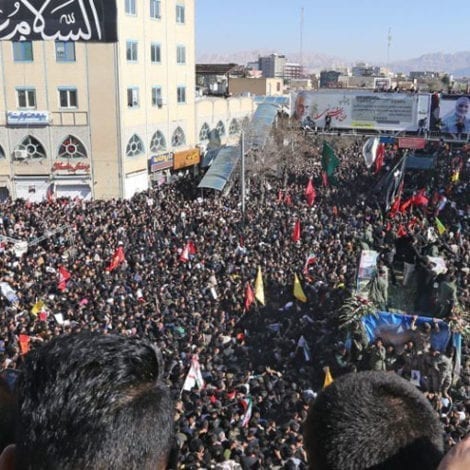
point(135, 146)
point(220, 128)
point(2, 152)
point(204, 132)
point(71, 147)
point(234, 127)
point(158, 142)
point(178, 139)
point(29, 148)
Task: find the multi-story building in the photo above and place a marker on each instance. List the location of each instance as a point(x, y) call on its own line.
point(90, 97)
point(292, 71)
point(272, 66)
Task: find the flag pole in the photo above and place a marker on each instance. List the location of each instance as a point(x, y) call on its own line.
point(242, 149)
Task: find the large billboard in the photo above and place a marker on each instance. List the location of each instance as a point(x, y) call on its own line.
point(452, 114)
point(352, 109)
point(58, 20)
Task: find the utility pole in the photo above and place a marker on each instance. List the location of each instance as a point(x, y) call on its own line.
point(389, 43)
point(301, 41)
point(242, 149)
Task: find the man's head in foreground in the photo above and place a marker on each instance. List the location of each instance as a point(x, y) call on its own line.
point(93, 401)
point(372, 420)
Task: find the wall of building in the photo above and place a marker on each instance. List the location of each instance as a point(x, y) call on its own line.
point(256, 86)
point(212, 110)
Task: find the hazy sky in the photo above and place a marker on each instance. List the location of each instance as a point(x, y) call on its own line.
point(349, 29)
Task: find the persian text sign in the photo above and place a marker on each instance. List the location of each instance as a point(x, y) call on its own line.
point(186, 158)
point(58, 20)
point(27, 117)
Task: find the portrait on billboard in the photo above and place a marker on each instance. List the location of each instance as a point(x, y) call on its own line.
point(303, 108)
point(455, 116)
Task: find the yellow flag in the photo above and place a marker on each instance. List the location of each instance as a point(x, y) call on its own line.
point(259, 288)
point(298, 291)
point(37, 307)
point(328, 377)
point(455, 176)
point(440, 226)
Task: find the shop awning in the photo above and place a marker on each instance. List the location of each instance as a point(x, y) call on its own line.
point(221, 168)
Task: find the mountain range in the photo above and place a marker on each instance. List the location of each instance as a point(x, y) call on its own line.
point(457, 64)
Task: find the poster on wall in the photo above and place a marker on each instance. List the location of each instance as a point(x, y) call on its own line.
point(58, 20)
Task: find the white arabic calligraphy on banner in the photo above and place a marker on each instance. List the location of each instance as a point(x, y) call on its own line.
point(57, 20)
point(27, 117)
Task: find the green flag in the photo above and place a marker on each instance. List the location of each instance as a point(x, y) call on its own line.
point(440, 226)
point(329, 160)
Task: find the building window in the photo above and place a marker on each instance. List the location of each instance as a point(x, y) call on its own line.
point(71, 147)
point(26, 98)
point(158, 142)
point(29, 148)
point(155, 9)
point(68, 98)
point(178, 138)
point(23, 51)
point(204, 132)
point(180, 13)
point(135, 146)
point(180, 54)
point(157, 99)
point(220, 128)
point(131, 51)
point(155, 53)
point(133, 97)
point(234, 127)
point(181, 94)
point(65, 51)
point(129, 6)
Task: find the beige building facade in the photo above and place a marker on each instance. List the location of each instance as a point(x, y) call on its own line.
point(256, 86)
point(86, 118)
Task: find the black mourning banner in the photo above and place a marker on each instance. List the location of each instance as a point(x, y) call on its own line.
point(58, 20)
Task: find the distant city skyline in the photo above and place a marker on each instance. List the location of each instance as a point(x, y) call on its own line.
point(352, 31)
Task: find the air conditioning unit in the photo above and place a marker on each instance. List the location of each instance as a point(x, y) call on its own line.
point(20, 154)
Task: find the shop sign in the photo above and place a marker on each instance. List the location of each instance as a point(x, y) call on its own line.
point(186, 158)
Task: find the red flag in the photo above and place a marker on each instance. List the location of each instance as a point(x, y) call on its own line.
point(310, 260)
point(189, 249)
point(43, 316)
point(401, 231)
point(379, 159)
point(117, 259)
point(64, 276)
point(24, 343)
point(420, 199)
point(288, 199)
point(395, 206)
point(310, 192)
point(412, 223)
point(280, 197)
point(324, 178)
point(296, 232)
point(405, 205)
point(249, 296)
point(335, 211)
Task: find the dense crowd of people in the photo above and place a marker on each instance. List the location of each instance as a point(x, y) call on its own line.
point(172, 264)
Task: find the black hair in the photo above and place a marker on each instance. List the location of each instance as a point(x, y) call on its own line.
point(90, 400)
point(372, 420)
